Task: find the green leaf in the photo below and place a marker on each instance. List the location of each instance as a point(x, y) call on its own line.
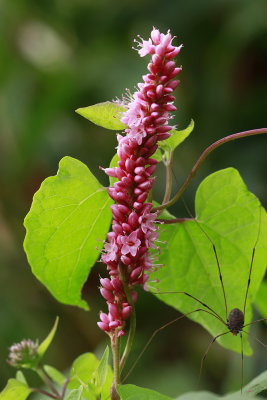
point(177, 137)
point(102, 368)
point(105, 114)
point(261, 300)
point(20, 377)
point(132, 392)
point(83, 372)
point(158, 155)
point(257, 385)
point(47, 341)
point(113, 164)
point(69, 213)
point(230, 215)
point(55, 375)
point(15, 390)
point(170, 144)
point(75, 394)
point(250, 391)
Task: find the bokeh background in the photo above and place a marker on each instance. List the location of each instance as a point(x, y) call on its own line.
point(58, 55)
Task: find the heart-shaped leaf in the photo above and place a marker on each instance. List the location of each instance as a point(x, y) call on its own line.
point(69, 213)
point(231, 216)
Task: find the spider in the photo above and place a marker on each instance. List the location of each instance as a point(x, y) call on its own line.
point(234, 320)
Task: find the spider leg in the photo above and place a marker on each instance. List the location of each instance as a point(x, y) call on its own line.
point(199, 301)
point(206, 353)
point(242, 360)
point(155, 333)
point(258, 340)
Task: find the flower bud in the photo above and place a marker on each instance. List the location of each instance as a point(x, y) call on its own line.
point(24, 354)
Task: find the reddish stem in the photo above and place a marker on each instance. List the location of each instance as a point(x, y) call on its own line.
point(203, 156)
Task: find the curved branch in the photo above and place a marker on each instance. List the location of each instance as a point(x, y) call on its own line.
point(203, 156)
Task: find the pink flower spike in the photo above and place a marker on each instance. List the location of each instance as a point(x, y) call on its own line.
point(147, 118)
point(130, 244)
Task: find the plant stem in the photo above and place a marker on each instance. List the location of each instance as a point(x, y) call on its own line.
point(44, 392)
point(47, 381)
point(64, 387)
point(203, 156)
point(115, 346)
point(132, 329)
point(168, 180)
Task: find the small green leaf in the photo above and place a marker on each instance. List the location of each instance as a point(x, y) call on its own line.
point(105, 114)
point(69, 213)
point(102, 368)
point(177, 137)
point(166, 147)
point(113, 164)
point(82, 369)
point(261, 303)
point(230, 215)
point(55, 375)
point(47, 341)
point(75, 394)
point(158, 155)
point(15, 390)
point(83, 373)
point(20, 377)
point(132, 392)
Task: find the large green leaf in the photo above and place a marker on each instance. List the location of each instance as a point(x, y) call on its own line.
point(69, 213)
point(230, 215)
point(15, 390)
point(105, 114)
point(132, 392)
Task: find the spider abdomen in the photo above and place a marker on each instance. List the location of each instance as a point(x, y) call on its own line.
point(235, 321)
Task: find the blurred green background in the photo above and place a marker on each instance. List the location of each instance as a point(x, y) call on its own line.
point(58, 55)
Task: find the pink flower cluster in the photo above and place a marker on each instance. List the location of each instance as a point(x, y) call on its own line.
point(133, 229)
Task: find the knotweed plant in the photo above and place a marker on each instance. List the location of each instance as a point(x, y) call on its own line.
point(75, 221)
